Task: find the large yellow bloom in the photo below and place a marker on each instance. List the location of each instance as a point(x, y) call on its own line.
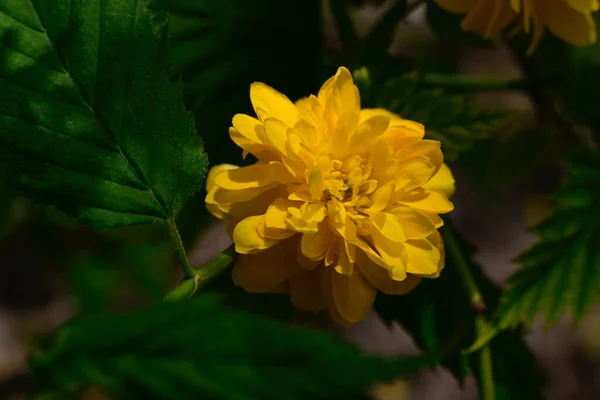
point(570, 20)
point(341, 202)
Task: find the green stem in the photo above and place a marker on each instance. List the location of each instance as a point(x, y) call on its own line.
point(471, 83)
point(464, 272)
point(179, 248)
point(486, 370)
point(203, 275)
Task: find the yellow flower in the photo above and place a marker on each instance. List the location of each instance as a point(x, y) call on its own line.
point(340, 203)
point(570, 20)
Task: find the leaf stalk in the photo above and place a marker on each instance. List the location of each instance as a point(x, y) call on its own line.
point(203, 275)
point(180, 249)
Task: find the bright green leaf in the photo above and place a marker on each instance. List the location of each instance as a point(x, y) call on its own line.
point(455, 120)
point(199, 349)
point(88, 113)
point(562, 270)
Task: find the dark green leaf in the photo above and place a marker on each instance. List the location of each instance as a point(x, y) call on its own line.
point(199, 349)
point(97, 278)
point(455, 120)
point(88, 113)
point(497, 162)
point(562, 270)
point(219, 47)
point(439, 316)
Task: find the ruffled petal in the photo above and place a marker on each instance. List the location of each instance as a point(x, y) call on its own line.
point(264, 271)
point(314, 245)
point(269, 103)
point(350, 297)
point(253, 176)
point(247, 238)
point(305, 290)
point(380, 278)
point(425, 200)
point(442, 182)
point(423, 257)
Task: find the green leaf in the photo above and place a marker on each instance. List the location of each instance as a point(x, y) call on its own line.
point(455, 120)
point(439, 316)
point(447, 27)
point(219, 47)
point(97, 278)
point(199, 349)
point(88, 112)
point(561, 271)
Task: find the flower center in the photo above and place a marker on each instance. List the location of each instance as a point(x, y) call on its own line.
point(349, 183)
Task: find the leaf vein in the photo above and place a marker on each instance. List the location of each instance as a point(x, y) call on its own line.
point(101, 122)
point(4, 12)
point(47, 128)
point(36, 157)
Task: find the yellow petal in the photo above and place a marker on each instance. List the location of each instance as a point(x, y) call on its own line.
point(442, 182)
point(390, 226)
point(277, 213)
point(584, 6)
point(345, 94)
point(408, 129)
point(423, 257)
point(264, 271)
point(416, 224)
point(247, 130)
point(243, 203)
point(273, 104)
point(381, 279)
point(333, 250)
point(316, 183)
point(253, 176)
point(393, 254)
point(216, 195)
point(246, 237)
point(277, 134)
point(212, 206)
point(345, 263)
point(369, 130)
point(367, 113)
point(567, 23)
point(425, 200)
point(314, 245)
point(214, 171)
point(305, 290)
point(430, 149)
point(381, 197)
point(414, 173)
point(306, 262)
point(353, 296)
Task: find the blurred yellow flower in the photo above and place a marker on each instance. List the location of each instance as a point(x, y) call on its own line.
point(340, 203)
point(570, 20)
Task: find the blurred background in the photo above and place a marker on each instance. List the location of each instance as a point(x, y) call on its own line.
point(51, 267)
